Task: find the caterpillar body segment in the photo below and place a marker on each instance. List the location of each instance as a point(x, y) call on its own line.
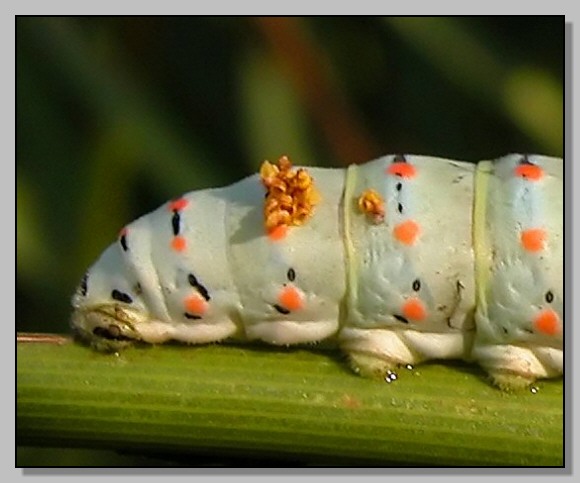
point(400, 260)
point(411, 282)
point(519, 266)
point(291, 286)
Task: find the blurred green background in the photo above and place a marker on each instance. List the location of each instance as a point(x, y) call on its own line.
point(117, 114)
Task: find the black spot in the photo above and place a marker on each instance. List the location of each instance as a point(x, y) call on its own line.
point(291, 274)
point(416, 285)
point(400, 158)
point(121, 297)
point(84, 285)
point(400, 208)
point(175, 222)
point(190, 316)
point(123, 242)
point(549, 296)
point(399, 186)
point(282, 310)
point(400, 318)
point(199, 287)
point(505, 331)
point(525, 160)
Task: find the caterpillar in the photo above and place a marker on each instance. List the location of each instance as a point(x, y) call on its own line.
point(400, 260)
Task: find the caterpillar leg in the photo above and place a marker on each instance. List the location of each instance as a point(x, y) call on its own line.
point(516, 366)
point(375, 352)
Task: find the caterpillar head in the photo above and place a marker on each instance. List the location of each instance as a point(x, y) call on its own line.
point(108, 304)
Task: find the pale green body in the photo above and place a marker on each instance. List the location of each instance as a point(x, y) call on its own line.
point(448, 292)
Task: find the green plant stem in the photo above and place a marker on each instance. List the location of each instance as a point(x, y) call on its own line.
point(298, 405)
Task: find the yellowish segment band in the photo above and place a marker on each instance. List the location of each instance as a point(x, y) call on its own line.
point(348, 207)
point(481, 241)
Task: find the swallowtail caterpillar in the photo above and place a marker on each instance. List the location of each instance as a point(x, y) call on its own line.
point(400, 260)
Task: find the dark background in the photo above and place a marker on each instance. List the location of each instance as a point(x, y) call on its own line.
point(117, 114)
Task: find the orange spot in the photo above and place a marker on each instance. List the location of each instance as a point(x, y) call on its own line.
point(404, 170)
point(413, 309)
point(178, 243)
point(407, 232)
point(351, 402)
point(291, 298)
point(195, 304)
point(178, 204)
point(547, 322)
point(534, 239)
point(529, 171)
point(278, 232)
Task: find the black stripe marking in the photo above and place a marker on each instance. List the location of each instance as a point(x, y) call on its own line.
point(400, 318)
point(175, 222)
point(121, 296)
point(84, 284)
point(400, 158)
point(123, 241)
point(190, 316)
point(200, 288)
point(399, 207)
point(282, 310)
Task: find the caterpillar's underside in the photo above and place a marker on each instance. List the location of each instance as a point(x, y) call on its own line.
point(400, 260)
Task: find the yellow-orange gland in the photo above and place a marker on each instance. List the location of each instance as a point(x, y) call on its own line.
point(371, 203)
point(290, 194)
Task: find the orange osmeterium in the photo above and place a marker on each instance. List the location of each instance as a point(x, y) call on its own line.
point(278, 232)
point(178, 243)
point(547, 322)
point(195, 304)
point(403, 170)
point(407, 232)
point(414, 309)
point(533, 239)
point(372, 204)
point(178, 204)
point(290, 196)
point(529, 171)
point(291, 298)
